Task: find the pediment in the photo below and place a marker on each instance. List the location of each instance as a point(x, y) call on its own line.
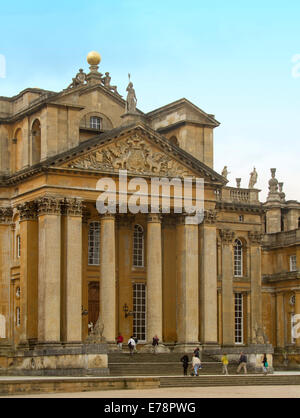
point(134, 153)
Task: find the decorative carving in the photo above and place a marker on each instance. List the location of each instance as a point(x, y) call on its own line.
point(227, 236)
point(96, 336)
point(210, 217)
point(28, 211)
point(260, 336)
point(154, 218)
point(255, 237)
point(6, 215)
point(79, 80)
point(253, 179)
point(133, 155)
point(49, 205)
point(72, 207)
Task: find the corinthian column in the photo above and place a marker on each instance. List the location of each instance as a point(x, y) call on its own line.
point(208, 280)
point(154, 277)
point(49, 272)
point(73, 270)
point(255, 275)
point(227, 237)
point(108, 277)
point(187, 285)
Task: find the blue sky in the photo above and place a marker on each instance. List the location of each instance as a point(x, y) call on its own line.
point(232, 59)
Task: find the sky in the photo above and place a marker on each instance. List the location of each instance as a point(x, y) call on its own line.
point(238, 60)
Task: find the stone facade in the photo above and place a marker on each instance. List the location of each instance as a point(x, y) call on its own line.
point(229, 283)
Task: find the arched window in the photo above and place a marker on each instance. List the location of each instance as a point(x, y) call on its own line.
point(238, 258)
point(95, 123)
point(36, 142)
point(94, 244)
point(138, 246)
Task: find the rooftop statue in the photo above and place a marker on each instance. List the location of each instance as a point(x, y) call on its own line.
point(106, 82)
point(131, 101)
point(253, 179)
point(225, 172)
point(79, 80)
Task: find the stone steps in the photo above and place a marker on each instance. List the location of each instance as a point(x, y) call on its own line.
point(237, 380)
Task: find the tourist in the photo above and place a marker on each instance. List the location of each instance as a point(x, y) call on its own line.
point(242, 363)
point(197, 352)
point(265, 364)
point(120, 340)
point(185, 364)
point(225, 363)
point(196, 364)
point(155, 342)
point(131, 345)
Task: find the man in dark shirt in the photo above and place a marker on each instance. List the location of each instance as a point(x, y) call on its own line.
point(242, 363)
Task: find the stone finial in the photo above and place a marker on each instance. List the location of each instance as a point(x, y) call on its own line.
point(253, 179)
point(281, 193)
point(238, 183)
point(273, 195)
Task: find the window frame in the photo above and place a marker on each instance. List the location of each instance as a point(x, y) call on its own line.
point(238, 319)
point(138, 254)
point(293, 262)
point(238, 267)
point(95, 123)
point(94, 244)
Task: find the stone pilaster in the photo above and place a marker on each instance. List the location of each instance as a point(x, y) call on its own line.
point(297, 312)
point(154, 277)
point(108, 277)
point(49, 272)
point(255, 239)
point(5, 257)
point(28, 271)
point(187, 284)
point(208, 280)
point(280, 320)
point(73, 270)
point(227, 237)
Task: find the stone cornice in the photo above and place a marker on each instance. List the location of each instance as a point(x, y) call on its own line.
point(240, 207)
point(279, 277)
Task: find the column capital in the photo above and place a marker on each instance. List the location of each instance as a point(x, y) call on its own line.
point(28, 211)
point(154, 218)
point(49, 205)
point(107, 217)
point(210, 217)
point(6, 214)
point(227, 236)
point(255, 237)
point(72, 207)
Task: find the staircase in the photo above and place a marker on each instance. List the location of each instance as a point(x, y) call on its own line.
point(142, 364)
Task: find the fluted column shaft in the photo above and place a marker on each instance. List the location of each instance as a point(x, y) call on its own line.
point(154, 277)
point(108, 277)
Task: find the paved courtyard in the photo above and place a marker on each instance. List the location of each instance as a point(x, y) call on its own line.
point(171, 393)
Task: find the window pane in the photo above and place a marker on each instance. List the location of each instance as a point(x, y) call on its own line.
point(94, 244)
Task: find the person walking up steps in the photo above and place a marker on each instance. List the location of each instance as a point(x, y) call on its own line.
point(196, 364)
point(265, 364)
point(155, 342)
point(242, 363)
point(131, 345)
point(225, 363)
point(185, 364)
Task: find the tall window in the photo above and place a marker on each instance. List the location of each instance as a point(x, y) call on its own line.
point(18, 317)
point(293, 263)
point(238, 258)
point(238, 303)
point(95, 123)
point(94, 244)
point(138, 246)
point(18, 246)
point(139, 310)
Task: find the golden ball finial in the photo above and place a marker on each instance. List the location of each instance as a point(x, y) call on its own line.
point(94, 58)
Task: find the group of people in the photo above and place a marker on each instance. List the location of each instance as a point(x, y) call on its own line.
point(242, 364)
point(132, 344)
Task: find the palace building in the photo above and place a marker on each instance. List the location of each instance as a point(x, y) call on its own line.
point(72, 279)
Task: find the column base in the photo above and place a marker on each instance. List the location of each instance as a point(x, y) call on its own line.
point(211, 348)
point(187, 347)
point(159, 349)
